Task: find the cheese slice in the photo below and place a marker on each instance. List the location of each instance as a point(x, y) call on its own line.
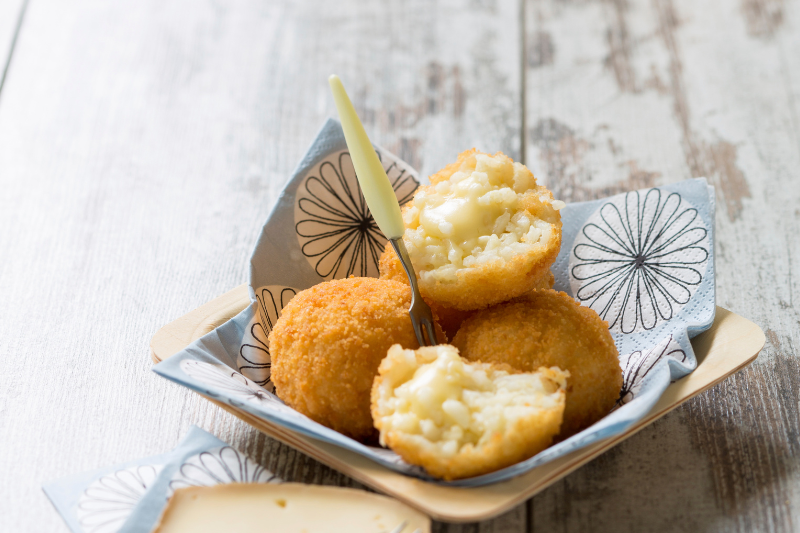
point(285, 508)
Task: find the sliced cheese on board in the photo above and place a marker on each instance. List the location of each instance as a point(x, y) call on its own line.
point(285, 508)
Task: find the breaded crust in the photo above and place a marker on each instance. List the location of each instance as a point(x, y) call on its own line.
point(549, 328)
point(327, 346)
point(449, 318)
point(521, 440)
point(487, 284)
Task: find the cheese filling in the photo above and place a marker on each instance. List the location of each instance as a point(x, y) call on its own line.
point(452, 403)
point(472, 219)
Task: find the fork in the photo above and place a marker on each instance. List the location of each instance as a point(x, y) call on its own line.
point(420, 312)
point(383, 205)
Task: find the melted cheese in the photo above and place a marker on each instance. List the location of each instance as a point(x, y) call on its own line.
point(472, 219)
point(454, 403)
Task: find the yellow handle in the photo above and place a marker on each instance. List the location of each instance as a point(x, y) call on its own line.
point(375, 185)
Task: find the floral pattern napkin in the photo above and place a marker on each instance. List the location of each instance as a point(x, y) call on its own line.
point(129, 498)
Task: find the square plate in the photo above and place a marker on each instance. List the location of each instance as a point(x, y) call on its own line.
point(729, 345)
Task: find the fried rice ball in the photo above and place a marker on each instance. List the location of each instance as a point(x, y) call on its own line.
point(482, 233)
point(549, 328)
point(328, 343)
point(458, 419)
point(449, 318)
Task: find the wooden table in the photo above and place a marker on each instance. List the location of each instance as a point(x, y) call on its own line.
point(143, 142)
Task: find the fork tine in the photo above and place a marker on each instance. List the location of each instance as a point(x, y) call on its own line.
point(420, 312)
point(431, 330)
point(415, 323)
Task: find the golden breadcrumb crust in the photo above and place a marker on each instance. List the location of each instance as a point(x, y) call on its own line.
point(549, 328)
point(522, 440)
point(497, 281)
point(449, 318)
point(328, 343)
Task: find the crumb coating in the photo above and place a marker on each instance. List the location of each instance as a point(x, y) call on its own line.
point(328, 343)
point(549, 328)
point(449, 318)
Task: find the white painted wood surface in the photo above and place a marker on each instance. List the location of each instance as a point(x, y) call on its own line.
point(142, 144)
point(630, 94)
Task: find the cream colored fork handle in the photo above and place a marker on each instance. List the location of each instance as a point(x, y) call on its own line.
point(375, 184)
point(382, 203)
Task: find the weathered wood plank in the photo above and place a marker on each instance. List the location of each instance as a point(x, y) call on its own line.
point(632, 94)
point(141, 147)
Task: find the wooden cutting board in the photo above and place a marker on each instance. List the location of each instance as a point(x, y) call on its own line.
point(732, 343)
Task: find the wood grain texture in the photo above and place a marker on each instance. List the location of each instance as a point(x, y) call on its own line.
point(142, 144)
point(626, 94)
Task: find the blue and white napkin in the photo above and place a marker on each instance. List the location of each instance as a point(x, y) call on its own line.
point(129, 497)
